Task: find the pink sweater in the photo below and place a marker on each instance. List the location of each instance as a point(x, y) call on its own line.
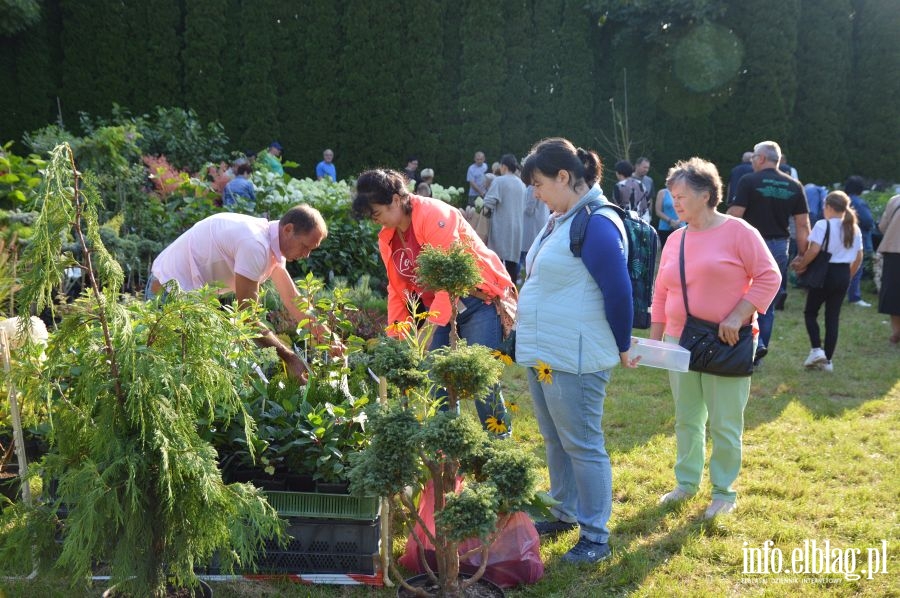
point(723, 265)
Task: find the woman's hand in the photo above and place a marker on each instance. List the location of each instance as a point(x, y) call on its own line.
point(627, 361)
point(728, 329)
point(731, 325)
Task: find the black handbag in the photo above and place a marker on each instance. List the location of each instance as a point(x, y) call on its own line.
point(814, 275)
point(708, 353)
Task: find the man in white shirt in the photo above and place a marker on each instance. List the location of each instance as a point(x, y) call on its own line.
point(239, 252)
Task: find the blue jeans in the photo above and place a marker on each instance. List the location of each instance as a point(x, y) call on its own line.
point(479, 324)
point(149, 295)
point(779, 250)
point(854, 292)
point(569, 412)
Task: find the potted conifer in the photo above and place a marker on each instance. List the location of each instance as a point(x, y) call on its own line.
point(127, 383)
point(413, 442)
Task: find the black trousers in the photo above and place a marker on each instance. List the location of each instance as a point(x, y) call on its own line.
point(837, 280)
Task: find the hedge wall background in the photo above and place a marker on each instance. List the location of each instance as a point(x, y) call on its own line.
point(377, 82)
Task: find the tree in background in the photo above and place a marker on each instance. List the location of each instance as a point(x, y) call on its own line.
point(762, 105)
point(97, 70)
point(575, 61)
point(155, 41)
point(29, 64)
point(308, 76)
point(704, 77)
point(518, 94)
point(874, 88)
point(19, 15)
point(203, 57)
point(817, 146)
point(483, 65)
point(253, 96)
point(422, 94)
point(371, 112)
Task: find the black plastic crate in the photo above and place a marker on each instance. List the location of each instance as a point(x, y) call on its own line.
point(322, 546)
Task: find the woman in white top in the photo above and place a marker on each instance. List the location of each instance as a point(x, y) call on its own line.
point(845, 246)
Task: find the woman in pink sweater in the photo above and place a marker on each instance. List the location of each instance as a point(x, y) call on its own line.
point(730, 276)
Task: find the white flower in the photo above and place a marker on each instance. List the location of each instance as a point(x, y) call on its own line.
point(39, 332)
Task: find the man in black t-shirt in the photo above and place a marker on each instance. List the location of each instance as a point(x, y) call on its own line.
point(767, 199)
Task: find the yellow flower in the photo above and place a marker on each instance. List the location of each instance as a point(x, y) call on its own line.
point(544, 373)
point(503, 357)
point(513, 407)
point(424, 315)
point(495, 425)
point(399, 328)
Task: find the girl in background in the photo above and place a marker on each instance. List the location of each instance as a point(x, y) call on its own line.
point(846, 248)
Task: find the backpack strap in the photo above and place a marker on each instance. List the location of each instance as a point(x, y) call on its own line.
point(578, 228)
point(579, 224)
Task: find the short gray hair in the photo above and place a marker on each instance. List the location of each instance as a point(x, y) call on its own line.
point(770, 150)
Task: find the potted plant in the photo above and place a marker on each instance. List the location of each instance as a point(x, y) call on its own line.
point(127, 384)
point(478, 482)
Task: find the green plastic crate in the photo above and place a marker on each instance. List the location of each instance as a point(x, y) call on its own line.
point(323, 506)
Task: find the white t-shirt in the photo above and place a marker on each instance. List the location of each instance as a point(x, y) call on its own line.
point(839, 253)
point(216, 248)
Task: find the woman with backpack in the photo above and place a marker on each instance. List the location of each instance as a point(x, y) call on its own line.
point(574, 326)
point(844, 243)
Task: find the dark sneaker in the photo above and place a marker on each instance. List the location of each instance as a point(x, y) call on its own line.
point(554, 527)
point(587, 552)
point(761, 351)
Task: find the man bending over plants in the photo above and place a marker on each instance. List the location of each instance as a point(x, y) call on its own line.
point(238, 252)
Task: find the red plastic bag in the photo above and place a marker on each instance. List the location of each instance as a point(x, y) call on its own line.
point(513, 559)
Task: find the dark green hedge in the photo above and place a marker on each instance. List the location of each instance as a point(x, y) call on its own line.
point(377, 82)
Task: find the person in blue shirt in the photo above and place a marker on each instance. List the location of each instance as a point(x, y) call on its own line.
point(815, 199)
point(240, 185)
point(326, 168)
point(854, 188)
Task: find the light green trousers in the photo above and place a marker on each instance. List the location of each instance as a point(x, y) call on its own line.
point(720, 401)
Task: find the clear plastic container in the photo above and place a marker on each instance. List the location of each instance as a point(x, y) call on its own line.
point(660, 354)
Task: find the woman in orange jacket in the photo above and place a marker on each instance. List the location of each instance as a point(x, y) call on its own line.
point(408, 222)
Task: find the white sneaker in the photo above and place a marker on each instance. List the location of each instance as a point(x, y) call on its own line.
point(816, 358)
point(719, 507)
point(674, 496)
point(827, 367)
point(861, 303)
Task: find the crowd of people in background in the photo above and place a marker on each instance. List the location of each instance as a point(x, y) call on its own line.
point(516, 216)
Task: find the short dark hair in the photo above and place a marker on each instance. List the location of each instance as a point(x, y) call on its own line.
point(244, 168)
point(509, 160)
point(378, 187)
point(305, 219)
point(641, 160)
point(700, 175)
point(854, 185)
point(552, 155)
point(624, 167)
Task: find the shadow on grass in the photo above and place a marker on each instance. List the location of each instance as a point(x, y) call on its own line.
point(865, 366)
point(648, 539)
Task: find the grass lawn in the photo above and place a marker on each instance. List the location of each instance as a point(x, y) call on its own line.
point(820, 464)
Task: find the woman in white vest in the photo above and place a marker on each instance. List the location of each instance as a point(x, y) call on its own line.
point(574, 325)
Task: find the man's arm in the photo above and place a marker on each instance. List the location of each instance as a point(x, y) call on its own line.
point(737, 211)
point(247, 290)
point(801, 223)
